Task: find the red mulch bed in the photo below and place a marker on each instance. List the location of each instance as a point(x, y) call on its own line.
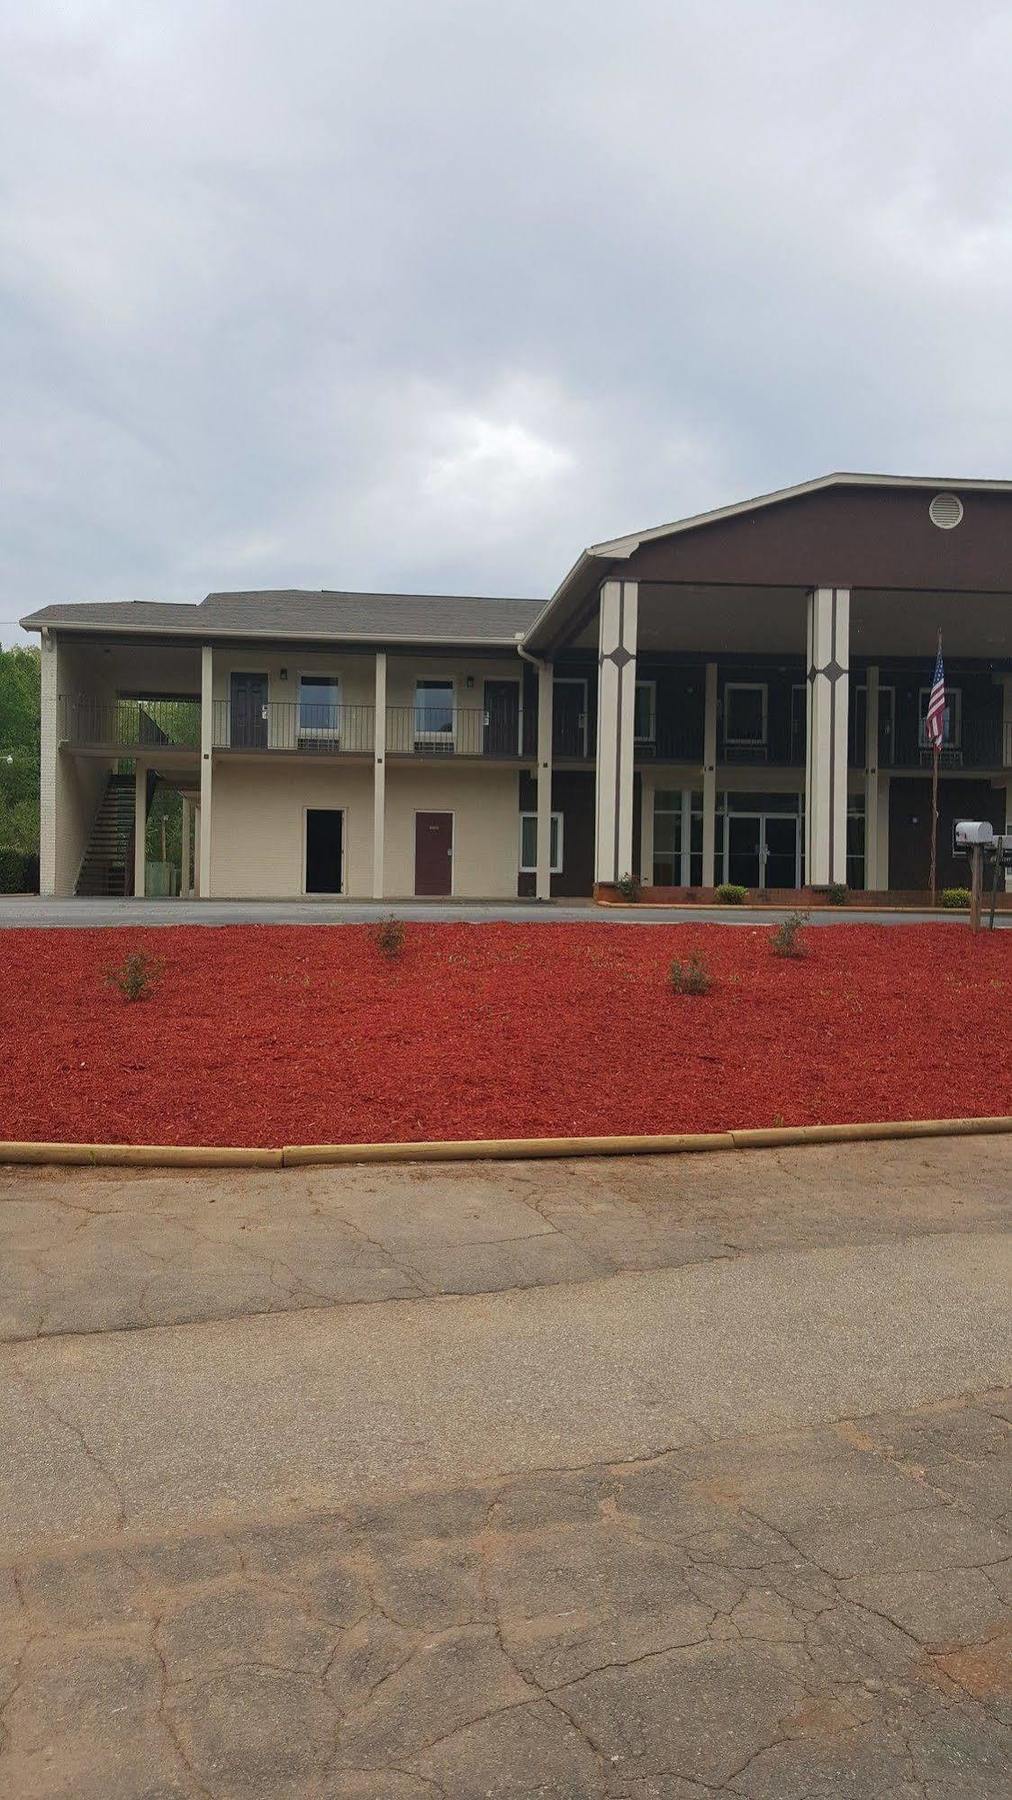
point(274, 1034)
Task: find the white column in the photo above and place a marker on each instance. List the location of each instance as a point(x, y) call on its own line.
point(185, 862)
point(872, 875)
point(543, 869)
point(196, 851)
point(49, 758)
point(647, 782)
point(685, 871)
point(206, 765)
point(140, 828)
point(826, 760)
point(710, 777)
point(379, 776)
point(616, 703)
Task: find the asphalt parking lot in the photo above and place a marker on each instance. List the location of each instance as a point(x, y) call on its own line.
point(646, 1479)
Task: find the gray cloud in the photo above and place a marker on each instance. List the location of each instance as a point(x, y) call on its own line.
point(431, 293)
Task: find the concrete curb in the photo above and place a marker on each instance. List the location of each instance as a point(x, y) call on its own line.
point(295, 1156)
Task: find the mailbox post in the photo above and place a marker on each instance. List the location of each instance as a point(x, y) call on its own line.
point(974, 836)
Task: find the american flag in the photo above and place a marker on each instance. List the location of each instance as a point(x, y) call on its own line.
point(934, 719)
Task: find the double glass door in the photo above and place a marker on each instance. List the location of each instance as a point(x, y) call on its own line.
point(761, 850)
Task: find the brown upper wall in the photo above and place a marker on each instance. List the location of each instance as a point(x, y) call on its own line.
point(843, 537)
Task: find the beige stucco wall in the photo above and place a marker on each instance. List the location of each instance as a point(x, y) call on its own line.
point(258, 825)
point(485, 803)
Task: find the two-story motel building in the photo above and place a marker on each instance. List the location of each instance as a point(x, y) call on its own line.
point(736, 696)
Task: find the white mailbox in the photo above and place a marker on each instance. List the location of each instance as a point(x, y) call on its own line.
point(973, 831)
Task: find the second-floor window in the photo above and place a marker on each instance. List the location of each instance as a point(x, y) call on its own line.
point(953, 718)
point(434, 709)
point(319, 705)
point(645, 727)
point(745, 709)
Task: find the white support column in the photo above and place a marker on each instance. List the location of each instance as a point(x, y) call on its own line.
point(379, 776)
point(196, 851)
point(185, 855)
point(140, 828)
point(647, 783)
point(826, 760)
point(710, 778)
point(49, 763)
point(685, 870)
point(616, 706)
point(543, 855)
point(206, 765)
point(872, 875)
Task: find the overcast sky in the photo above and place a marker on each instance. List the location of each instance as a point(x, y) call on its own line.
point(429, 294)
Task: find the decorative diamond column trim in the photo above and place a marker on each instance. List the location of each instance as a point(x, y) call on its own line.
point(616, 706)
point(826, 753)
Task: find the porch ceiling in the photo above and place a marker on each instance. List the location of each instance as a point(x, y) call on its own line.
point(771, 621)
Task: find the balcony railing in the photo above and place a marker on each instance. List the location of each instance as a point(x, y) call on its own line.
point(305, 725)
point(129, 724)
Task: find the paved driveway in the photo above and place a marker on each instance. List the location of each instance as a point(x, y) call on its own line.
point(640, 1480)
point(21, 910)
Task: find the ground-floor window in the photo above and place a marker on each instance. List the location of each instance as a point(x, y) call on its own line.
point(856, 843)
point(529, 844)
point(324, 871)
point(678, 838)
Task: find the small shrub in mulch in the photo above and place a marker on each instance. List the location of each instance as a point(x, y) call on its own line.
point(629, 886)
point(389, 936)
point(730, 894)
point(691, 977)
point(136, 976)
point(955, 898)
point(836, 894)
point(786, 939)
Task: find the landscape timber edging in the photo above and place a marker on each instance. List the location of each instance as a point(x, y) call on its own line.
point(211, 1156)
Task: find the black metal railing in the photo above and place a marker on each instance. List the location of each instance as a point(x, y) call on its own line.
point(453, 731)
point(129, 724)
point(311, 726)
point(980, 744)
point(673, 740)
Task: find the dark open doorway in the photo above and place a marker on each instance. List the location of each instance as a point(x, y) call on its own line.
point(324, 851)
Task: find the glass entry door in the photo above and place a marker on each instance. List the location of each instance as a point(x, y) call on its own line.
point(744, 840)
point(779, 855)
point(761, 850)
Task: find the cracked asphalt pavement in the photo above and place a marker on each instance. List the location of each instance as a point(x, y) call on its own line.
point(632, 1479)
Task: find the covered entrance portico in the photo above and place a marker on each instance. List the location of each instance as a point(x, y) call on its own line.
point(788, 645)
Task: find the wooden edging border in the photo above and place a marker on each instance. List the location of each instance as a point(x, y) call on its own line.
point(293, 1156)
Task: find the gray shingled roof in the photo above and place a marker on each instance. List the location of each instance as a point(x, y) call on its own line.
point(301, 613)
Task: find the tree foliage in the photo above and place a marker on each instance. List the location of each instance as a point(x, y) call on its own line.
point(19, 749)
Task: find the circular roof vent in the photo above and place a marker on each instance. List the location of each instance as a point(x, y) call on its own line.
point(945, 511)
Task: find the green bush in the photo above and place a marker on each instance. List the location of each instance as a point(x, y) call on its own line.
point(729, 894)
point(836, 894)
point(954, 898)
point(692, 977)
point(629, 886)
point(389, 937)
point(19, 873)
point(136, 976)
point(786, 939)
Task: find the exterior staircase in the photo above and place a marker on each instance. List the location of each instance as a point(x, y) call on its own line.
point(108, 865)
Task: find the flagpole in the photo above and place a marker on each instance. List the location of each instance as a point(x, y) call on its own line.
point(933, 877)
point(936, 747)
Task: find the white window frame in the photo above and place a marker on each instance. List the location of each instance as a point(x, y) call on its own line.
point(954, 710)
point(532, 868)
point(650, 737)
point(330, 893)
point(747, 687)
point(435, 737)
point(332, 734)
point(885, 688)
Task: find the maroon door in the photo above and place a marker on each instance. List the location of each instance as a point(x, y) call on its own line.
point(433, 853)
